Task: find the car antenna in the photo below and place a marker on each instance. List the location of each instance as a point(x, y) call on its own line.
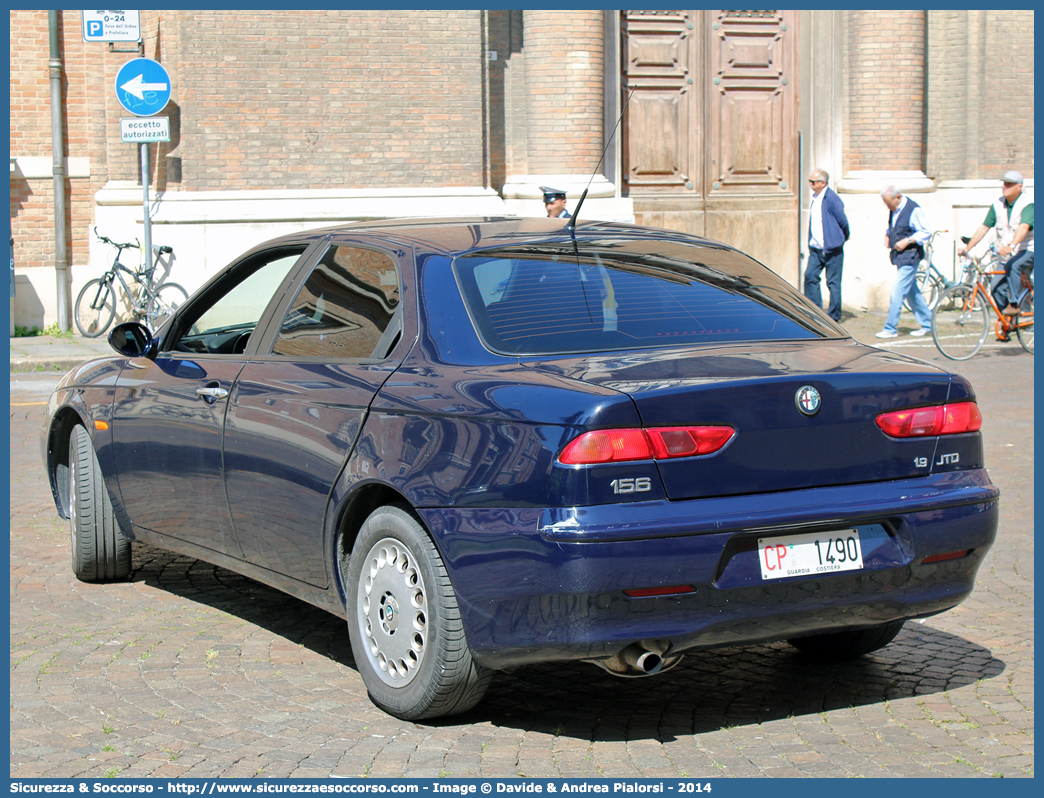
point(576, 211)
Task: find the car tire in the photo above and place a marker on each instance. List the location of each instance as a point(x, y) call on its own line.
point(847, 645)
point(404, 622)
point(100, 551)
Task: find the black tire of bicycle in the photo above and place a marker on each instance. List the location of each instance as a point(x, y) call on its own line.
point(1024, 333)
point(945, 304)
point(89, 293)
point(925, 277)
point(150, 310)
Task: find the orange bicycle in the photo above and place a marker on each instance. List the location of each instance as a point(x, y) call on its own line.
point(960, 319)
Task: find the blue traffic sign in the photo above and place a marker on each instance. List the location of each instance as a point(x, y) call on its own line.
point(143, 87)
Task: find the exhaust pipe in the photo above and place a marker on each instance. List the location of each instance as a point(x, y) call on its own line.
point(648, 662)
point(644, 658)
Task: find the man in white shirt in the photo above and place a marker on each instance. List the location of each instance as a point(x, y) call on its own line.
point(827, 234)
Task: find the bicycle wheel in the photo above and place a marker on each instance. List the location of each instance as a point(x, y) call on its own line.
point(1025, 323)
point(95, 308)
point(168, 298)
point(959, 324)
point(929, 285)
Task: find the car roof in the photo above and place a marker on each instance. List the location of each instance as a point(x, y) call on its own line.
point(455, 235)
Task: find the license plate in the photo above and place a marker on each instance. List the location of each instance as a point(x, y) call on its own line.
point(813, 553)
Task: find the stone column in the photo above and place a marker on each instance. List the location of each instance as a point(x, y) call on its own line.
point(822, 76)
point(884, 136)
point(886, 63)
point(564, 89)
point(565, 83)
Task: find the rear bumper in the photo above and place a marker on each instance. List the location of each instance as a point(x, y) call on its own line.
point(545, 585)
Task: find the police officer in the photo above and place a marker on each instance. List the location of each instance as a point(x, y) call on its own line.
point(554, 203)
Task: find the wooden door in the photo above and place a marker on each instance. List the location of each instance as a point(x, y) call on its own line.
point(710, 137)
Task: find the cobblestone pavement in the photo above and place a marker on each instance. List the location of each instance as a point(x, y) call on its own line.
point(190, 670)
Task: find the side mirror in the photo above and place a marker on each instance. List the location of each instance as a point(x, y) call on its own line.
point(133, 339)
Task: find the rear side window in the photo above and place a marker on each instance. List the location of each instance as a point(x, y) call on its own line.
point(344, 309)
point(551, 299)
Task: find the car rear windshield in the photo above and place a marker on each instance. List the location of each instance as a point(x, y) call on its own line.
point(626, 294)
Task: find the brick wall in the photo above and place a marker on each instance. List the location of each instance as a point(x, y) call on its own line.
point(32, 214)
point(512, 60)
point(319, 99)
point(30, 89)
point(1006, 111)
point(885, 97)
point(31, 199)
point(954, 48)
point(980, 93)
point(30, 136)
point(334, 99)
point(500, 24)
point(401, 99)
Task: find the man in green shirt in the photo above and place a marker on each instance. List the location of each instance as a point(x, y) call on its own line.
point(1011, 215)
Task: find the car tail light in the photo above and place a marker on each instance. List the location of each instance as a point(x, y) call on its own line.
point(668, 442)
point(607, 446)
point(655, 443)
point(938, 420)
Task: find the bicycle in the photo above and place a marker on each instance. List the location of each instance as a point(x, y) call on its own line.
point(960, 320)
point(95, 305)
point(931, 282)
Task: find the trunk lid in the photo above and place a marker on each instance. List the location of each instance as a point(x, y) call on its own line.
point(754, 389)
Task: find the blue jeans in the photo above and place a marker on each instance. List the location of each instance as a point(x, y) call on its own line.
point(906, 288)
point(1009, 288)
point(833, 261)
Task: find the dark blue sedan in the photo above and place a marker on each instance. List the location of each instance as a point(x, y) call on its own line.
point(494, 442)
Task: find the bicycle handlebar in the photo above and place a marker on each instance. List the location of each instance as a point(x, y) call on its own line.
point(161, 249)
point(106, 240)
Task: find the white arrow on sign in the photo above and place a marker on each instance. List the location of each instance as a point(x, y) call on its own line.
point(138, 87)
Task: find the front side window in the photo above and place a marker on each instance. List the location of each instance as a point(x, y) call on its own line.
point(612, 295)
point(226, 316)
point(344, 309)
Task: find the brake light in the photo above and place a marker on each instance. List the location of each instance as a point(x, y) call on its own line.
point(655, 443)
point(938, 420)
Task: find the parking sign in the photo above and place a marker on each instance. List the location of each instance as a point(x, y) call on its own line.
point(111, 26)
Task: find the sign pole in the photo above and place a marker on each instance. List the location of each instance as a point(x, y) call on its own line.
point(145, 203)
point(143, 88)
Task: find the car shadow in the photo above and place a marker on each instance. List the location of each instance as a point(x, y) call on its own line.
point(731, 687)
point(707, 691)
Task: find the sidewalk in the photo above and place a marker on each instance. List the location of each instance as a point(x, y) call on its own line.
point(50, 353)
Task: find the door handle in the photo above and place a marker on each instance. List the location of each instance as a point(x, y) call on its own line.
point(211, 393)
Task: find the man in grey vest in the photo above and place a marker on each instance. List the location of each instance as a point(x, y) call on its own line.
point(905, 238)
point(1011, 216)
